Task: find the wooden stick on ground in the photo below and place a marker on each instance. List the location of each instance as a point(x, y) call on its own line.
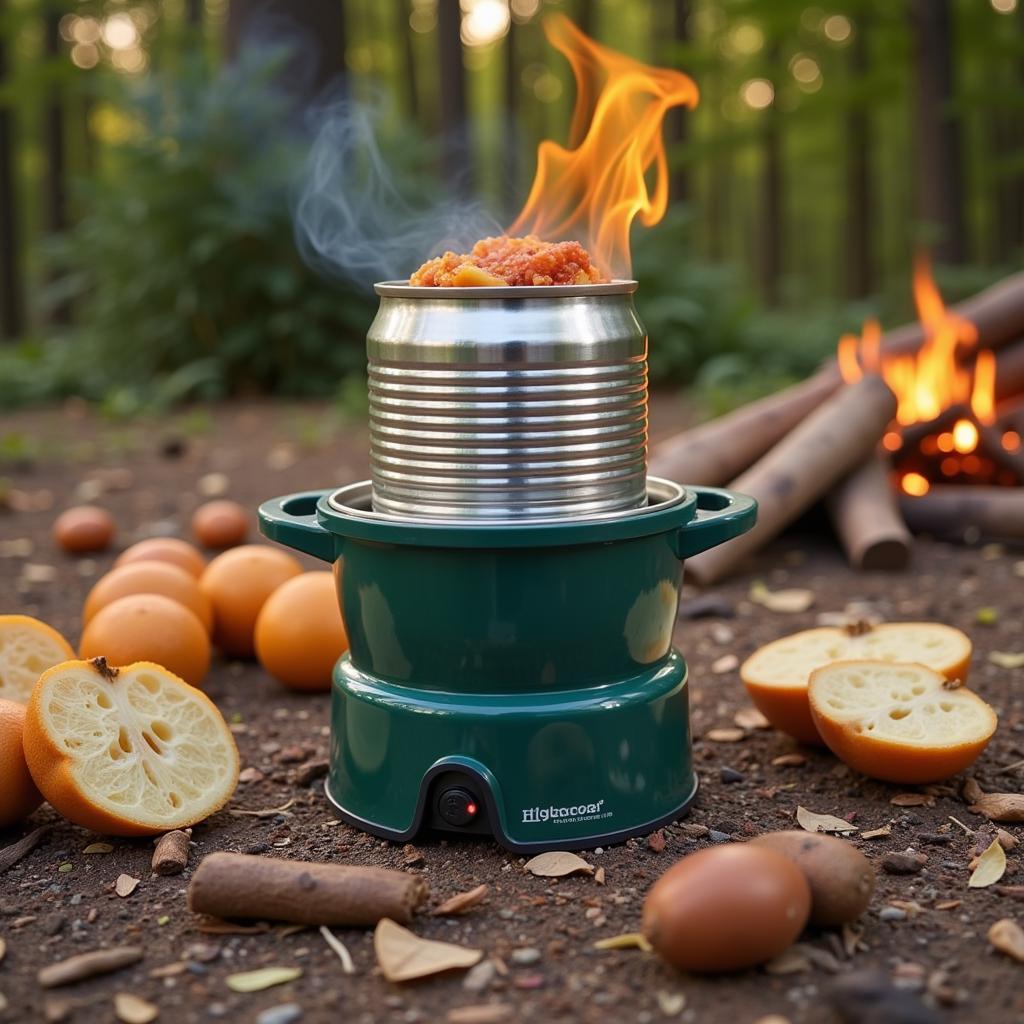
point(866, 515)
point(88, 965)
point(235, 885)
point(833, 440)
point(948, 510)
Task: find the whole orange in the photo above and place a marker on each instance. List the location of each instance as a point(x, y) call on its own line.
point(299, 632)
point(18, 794)
point(149, 627)
point(149, 578)
point(238, 582)
point(165, 549)
point(220, 524)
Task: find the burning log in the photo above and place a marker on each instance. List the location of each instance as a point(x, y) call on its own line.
point(828, 444)
point(237, 885)
point(867, 518)
point(714, 452)
point(949, 510)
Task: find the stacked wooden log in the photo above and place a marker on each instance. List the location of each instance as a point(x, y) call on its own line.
point(820, 439)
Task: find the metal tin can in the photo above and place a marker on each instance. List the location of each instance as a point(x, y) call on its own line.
point(507, 403)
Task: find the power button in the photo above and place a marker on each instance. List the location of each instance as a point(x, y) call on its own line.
point(458, 806)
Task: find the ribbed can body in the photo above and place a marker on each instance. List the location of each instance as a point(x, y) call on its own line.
point(507, 403)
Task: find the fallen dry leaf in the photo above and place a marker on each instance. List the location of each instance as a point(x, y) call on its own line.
point(671, 1004)
point(1007, 659)
point(131, 1009)
point(463, 901)
point(125, 885)
point(94, 848)
point(751, 718)
point(948, 904)
point(481, 1013)
point(1004, 807)
point(629, 940)
point(599, 876)
point(790, 961)
point(877, 833)
point(725, 735)
point(912, 800)
point(726, 663)
point(789, 760)
point(991, 867)
point(1008, 937)
point(789, 601)
point(403, 956)
point(265, 812)
point(264, 977)
point(556, 864)
point(811, 821)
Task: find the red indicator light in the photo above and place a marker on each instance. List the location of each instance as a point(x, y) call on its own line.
point(471, 808)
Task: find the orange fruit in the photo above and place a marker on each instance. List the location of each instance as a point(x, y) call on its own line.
point(149, 627)
point(149, 578)
point(776, 675)
point(165, 549)
point(220, 524)
point(83, 529)
point(299, 632)
point(237, 583)
point(898, 722)
point(18, 794)
point(27, 648)
point(134, 751)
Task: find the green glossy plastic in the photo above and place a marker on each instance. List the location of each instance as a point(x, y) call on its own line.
point(535, 658)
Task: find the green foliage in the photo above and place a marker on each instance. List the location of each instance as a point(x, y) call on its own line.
point(183, 271)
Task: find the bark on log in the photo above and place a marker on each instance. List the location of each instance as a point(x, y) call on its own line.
point(831, 442)
point(950, 510)
point(714, 452)
point(865, 513)
point(236, 885)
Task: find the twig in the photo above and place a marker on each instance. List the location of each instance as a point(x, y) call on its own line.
point(88, 965)
point(266, 812)
point(969, 831)
point(1006, 769)
point(10, 855)
point(339, 947)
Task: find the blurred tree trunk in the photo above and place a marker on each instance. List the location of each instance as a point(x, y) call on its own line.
point(859, 193)
point(11, 322)
point(412, 104)
point(55, 211)
point(677, 117)
point(939, 170)
point(455, 151)
point(771, 196)
point(317, 27)
point(512, 86)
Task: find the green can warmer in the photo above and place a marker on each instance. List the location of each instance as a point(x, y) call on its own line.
point(510, 679)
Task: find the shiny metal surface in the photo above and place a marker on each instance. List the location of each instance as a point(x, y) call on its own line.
point(507, 403)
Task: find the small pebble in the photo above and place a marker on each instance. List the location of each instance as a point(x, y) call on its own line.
point(480, 977)
point(285, 1013)
point(731, 775)
point(525, 957)
point(719, 837)
point(892, 914)
point(908, 863)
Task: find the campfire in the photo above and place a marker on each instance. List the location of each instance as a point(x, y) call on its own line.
point(914, 429)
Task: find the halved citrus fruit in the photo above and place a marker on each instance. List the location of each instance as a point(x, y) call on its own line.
point(131, 751)
point(19, 796)
point(898, 722)
point(28, 648)
point(776, 675)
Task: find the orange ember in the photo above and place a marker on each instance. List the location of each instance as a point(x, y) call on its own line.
point(595, 189)
point(934, 378)
point(510, 261)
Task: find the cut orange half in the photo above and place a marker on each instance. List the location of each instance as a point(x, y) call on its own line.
point(776, 675)
point(28, 648)
point(896, 722)
point(131, 752)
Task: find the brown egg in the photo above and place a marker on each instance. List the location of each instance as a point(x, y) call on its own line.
point(83, 529)
point(299, 632)
point(165, 549)
point(220, 524)
point(840, 876)
point(149, 627)
point(237, 584)
point(726, 908)
point(149, 578)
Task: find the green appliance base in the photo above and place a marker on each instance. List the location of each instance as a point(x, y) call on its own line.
point(560, 769)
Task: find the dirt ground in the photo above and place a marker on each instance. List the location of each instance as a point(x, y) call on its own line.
point(926, 930)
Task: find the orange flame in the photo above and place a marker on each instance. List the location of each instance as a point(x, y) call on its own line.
point(596, 189)
point(929, 381)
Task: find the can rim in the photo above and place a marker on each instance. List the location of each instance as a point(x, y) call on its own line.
point(404, 290)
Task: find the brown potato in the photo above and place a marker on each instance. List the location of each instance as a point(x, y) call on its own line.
point(840, 876)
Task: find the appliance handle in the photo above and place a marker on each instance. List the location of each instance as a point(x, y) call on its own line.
point(291, 520)
point(720, 516)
